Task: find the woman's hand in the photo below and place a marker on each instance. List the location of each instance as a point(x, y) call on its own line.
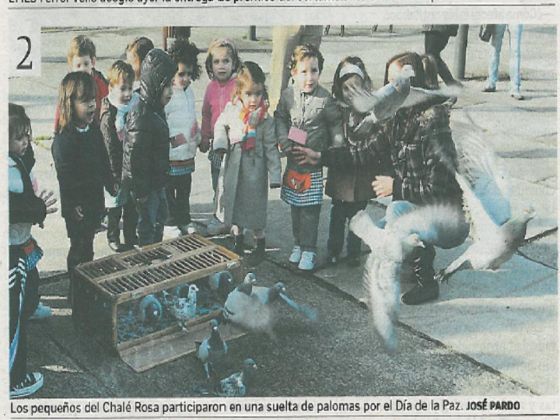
point(49, 200)
point(78, 213)
point(304, 155)
point(366, 125)
point(204, 145)
point(383, 186)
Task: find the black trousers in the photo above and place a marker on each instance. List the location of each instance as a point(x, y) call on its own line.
point(178, 193)
point(342, 212)
point(434, 44)
point(30, 302)
point(130, 220)
point(81, 234)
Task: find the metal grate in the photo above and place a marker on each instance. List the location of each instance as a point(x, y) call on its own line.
point(147, 257)
point(186, 243)
point(154, 275)
point(102, 268)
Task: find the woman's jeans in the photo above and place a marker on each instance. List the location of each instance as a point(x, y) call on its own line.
point(515, 32)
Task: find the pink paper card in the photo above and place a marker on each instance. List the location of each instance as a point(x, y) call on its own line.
point(178, 140)
point(234, 140)
point(298, 135)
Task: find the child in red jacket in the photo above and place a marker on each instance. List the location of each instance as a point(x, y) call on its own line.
point(81, 57)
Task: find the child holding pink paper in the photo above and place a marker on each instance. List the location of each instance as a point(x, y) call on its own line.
point(306, 115)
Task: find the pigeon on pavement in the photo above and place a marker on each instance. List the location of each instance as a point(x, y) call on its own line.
point(278, 293)
point(236, 385)
point(245, 309)
point(212, 351)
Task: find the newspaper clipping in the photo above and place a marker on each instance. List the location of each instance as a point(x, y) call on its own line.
point(279, 209)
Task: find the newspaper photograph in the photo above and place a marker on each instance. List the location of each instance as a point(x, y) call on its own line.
point(288, 209)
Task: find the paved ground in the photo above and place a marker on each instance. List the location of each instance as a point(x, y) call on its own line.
point(479, 338)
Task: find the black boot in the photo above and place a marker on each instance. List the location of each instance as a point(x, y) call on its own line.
point(238, 246)
point(258, 253)
point(426, 288)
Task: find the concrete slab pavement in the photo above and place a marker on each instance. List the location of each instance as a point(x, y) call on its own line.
point(336, 356)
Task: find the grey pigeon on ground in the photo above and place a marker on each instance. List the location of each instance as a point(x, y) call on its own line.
point(245, 309)
point(278, 293)
point(237, 384)
point(496, 234)
point(150, 309)
point(212, 351)
point(389, 247)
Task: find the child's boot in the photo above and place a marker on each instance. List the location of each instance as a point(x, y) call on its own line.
point(427, 288)
point(238, 244)
point(258, 253)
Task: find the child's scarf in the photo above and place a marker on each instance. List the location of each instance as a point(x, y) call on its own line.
point(251, 119)
point(120, 120)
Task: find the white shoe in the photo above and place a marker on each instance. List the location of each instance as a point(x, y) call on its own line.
point(32, 382)
point(295, 256)
point(42, 312)
point(188, 229)
point(307, 262)
point(171, 232)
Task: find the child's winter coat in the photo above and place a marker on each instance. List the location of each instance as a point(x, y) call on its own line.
point(248, 173)
point(317, 114)
point(181, 119)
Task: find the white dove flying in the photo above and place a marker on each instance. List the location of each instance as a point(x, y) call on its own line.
point(496, 234)
point(387, 100)
point(382, 272)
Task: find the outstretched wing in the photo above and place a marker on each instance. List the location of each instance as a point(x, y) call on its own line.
point(441, 224)
point(381, 275)
point(482, 178)
point(381, 280)
point(485, 173)
point(386, 106)
point(365, 229)
point(305, 310)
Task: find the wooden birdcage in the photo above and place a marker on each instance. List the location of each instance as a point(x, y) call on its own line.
point(110, 289)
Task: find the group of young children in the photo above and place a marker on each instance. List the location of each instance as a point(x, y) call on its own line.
point(125, 146)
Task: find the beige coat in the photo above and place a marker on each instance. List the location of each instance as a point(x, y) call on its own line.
point(247, 173)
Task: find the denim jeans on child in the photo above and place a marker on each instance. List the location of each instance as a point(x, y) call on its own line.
point(305, 226)
point(515, 32)
point(152, 214)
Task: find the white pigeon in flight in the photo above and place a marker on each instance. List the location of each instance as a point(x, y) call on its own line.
point(495, 232)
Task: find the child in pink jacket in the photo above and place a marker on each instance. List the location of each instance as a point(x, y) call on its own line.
point(222, 64)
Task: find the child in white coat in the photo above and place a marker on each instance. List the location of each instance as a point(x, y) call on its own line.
point(184, 136)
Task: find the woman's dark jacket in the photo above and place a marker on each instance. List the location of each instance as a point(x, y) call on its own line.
point(421, 150)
